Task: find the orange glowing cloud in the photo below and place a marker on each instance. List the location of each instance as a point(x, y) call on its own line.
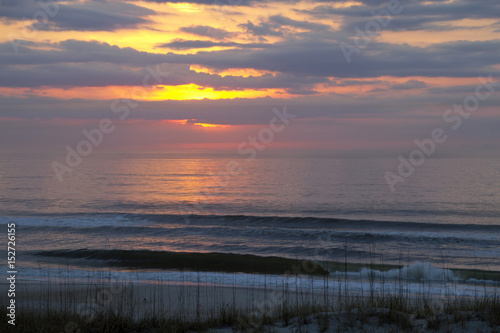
point(243, 72)
point(194, 123)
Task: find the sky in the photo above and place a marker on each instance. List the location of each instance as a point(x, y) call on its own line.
point(357, 78)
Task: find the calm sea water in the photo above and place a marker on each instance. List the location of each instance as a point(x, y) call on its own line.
point(447, 213)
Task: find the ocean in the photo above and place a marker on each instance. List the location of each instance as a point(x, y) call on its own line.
point(442, 221)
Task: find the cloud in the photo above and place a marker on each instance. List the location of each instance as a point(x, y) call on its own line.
point(244, 111)
point(181, 44)
point(347, 83)
point(281, 26)
point(206, 31)
point(302, 92)
point(98, 74)
point(75, 51)
point(303, 62)
point(318, 58)
point(85, 16)
point(308, 58)
point(410, 84)
point(208, 2)
point(68, 75)
point(263, 29)
point(428, 15)
point(285, 21)
point(372, 3)
point(461, 89)
point(223, 2)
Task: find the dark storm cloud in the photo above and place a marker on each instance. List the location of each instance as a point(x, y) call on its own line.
point(85, 16)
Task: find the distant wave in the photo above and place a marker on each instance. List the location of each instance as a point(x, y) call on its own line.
point(243, 220)
point(215, 262)
point(243, 263)
point(458, 245)
point(263, 226)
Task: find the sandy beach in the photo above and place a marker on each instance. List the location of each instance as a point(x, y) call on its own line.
point(240, 309)
point(166, 299)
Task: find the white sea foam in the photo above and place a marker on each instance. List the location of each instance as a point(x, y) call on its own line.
point(336, 283)
point(415, 272)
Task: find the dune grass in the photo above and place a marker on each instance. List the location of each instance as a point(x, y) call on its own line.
point(395, 312)
point(336, 310)
point(206, 306)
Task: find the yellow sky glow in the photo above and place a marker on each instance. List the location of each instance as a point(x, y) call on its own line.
point(158, 93)
point(191, 122)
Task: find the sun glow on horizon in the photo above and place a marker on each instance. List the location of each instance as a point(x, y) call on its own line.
point(195, 92)
point(158, 93)
point(193, 122)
